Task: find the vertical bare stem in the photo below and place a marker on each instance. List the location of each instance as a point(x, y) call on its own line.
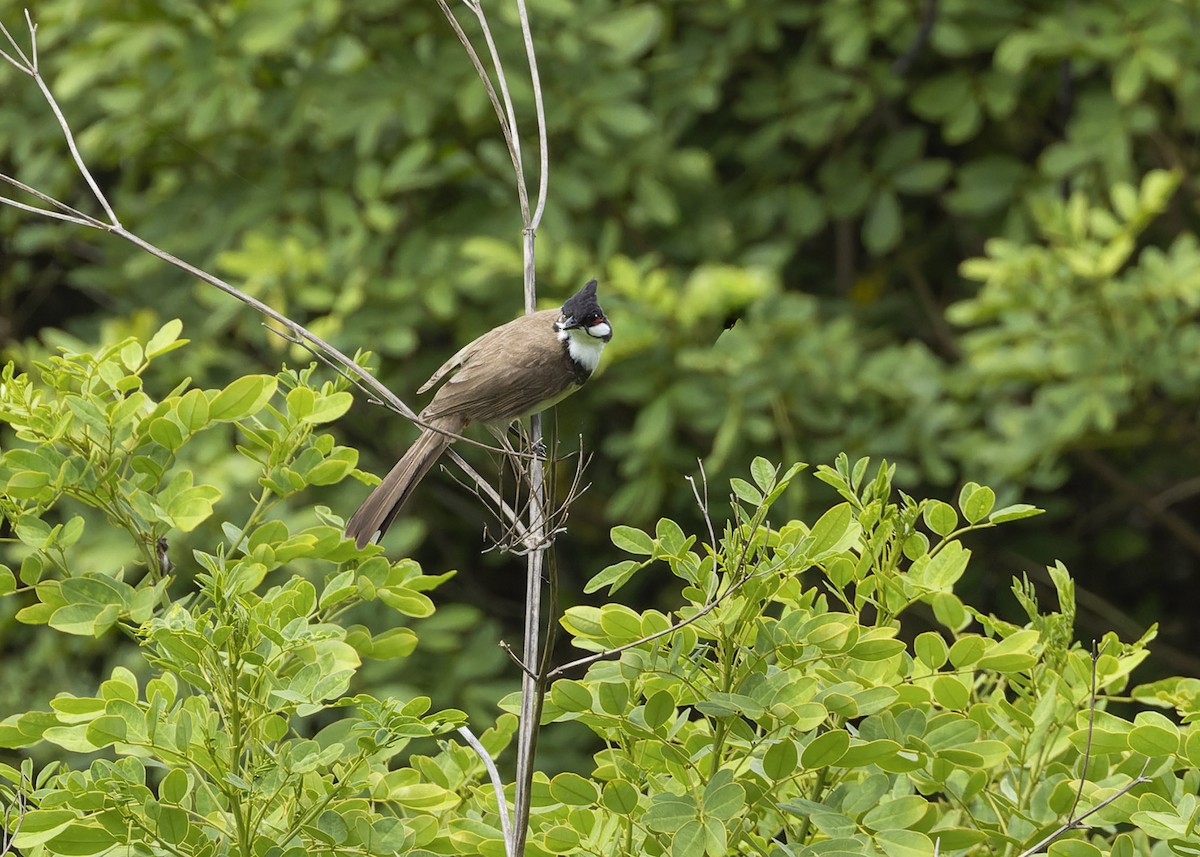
point(532, 680)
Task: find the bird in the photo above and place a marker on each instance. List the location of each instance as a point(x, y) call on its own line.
point(514, 370)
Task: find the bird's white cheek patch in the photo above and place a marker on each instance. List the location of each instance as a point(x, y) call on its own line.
point(600, 330)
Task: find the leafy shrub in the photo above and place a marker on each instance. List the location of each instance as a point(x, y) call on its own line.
point(821, 690)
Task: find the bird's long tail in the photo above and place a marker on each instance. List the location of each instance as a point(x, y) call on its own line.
point(383, 504)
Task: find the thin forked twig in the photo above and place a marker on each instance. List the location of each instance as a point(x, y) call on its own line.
point(1073, 821)
point(707, 608)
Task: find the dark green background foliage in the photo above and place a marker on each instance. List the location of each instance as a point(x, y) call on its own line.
point(957, 235)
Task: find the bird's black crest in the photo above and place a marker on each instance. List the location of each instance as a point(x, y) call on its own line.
point(583, 303)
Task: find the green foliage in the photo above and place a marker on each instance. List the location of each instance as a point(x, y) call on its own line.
point(812, 173)
point(797, 703)
point(243, 734)
point(801, 710)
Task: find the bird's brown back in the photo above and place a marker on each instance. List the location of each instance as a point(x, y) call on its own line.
point(507, 372)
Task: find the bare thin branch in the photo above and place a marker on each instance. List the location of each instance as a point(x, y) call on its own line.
point(702, 501)
point(1075, 822)
point(509, 120)
point(516, 659)
point(532, 223)
point(45, 212)
point(31, 68)
point(1087, 750)
point(24, 65)
point(510, 141)
point(85, 219)
point(497, 783)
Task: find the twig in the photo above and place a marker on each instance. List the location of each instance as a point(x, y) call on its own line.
point(711, 605)
point(497, 784)
point(508, 649)
point(508, 132)
point(1087, 749)
point(18, 808)
point(702, 502)
point(508, 121)
point(1074, 820)
point(904, 62)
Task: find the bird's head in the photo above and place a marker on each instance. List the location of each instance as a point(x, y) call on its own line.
point(582, 312)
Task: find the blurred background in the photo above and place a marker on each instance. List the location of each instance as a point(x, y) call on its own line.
point(928, 231)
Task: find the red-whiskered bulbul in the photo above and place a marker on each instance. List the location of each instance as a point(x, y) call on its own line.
point(513, 370)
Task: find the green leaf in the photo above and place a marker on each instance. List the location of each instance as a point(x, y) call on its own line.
point(166, 339)
point(570, 695)
point(85, 620)
point(780, 760)
point(393, 643)
point(976, 502)
point(931, 650)
point(1074, 848)
point(614, 576)
point(1011, 653)
point(192, 411)
point(243, 398)
point(660, 708)
point(826, 749)
point(1154, 735)
point(763, 472)
point(632, 540)
point(950, 692)
point(175, 786)
point(690, 840)
point(945, 567)
point(190, 507)
point(407, 601)
point(668, 812)
point(830, 533)
point(620, 796)
point(720, 704)
point(573, 790)
point(107, 730)
point(904, 843)
point(41, 825)
point(900, 813)
point(746, 492)
point(881, 229)
point(723, 798)
point(1014, 513)
point(173, 825)
point(561, 839)
point(940, 517)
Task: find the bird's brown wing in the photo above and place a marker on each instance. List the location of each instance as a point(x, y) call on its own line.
point(507, 373)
